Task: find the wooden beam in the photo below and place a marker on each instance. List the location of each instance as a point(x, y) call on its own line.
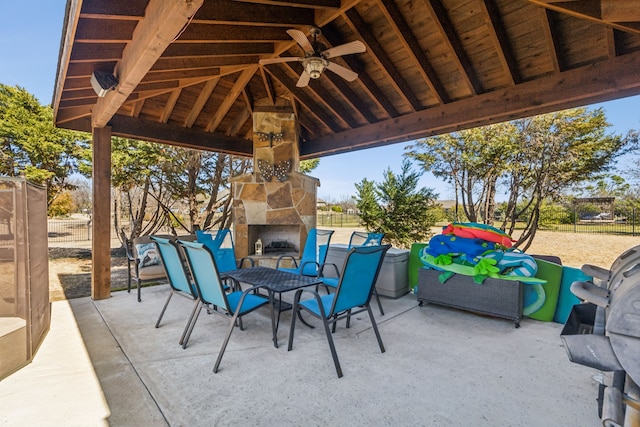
point(445, 27)
point(411, 44)
point(231, 97)
point(169, 105)
point(268, 86)
point(368, 84)
point(202, 99)
point(101, 216)
point(303, 97)
point(136, 128)
point(546, 24)
point(362, 31)
point(162, 24)
point(190, 50)
point(586, 85)
point(500, 40)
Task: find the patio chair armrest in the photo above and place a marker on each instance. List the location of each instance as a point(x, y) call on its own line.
point(303, 265)
point(335, 267)
point(243, 259)
point(281, 257)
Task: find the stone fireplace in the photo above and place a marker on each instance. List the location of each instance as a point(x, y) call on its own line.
point(277, 203)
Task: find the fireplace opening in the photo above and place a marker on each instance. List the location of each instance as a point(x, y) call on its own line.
point(276, 240)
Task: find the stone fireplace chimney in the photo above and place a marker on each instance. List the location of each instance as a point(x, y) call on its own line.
point(277, 203)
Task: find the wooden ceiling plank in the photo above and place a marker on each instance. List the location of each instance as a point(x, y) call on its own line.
point(268, 86)
point(170, 105)
point(586, 85)
point(166, 133)
point(362, 31)
point(231, 97)
point(546, 23)
point(620, 10)
point(162, 23)
point(94, 30)
point(233, 12)
point(203, 97)
point(311, 4)
point(69, 114)
point(68, 38)
point(240, 120)
point(169, 64)
point(441, 19)
point(88, 52)
point(500, 40)
point(224, 33)
point(351, 98)
point(589, 10)
point(159, 76)
point(324, 17)
point(303, 97)
point(406, 37)
point(121, 10)
point(82, 69)
point(369, 85)
point(188, 50)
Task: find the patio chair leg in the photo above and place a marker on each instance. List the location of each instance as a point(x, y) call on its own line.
point(225, 342)
point(294, 310)
point(186, 327)
point(139, 297)
point(375, 328)
point(193, 323)
point(163, 309)
point(375, 292)
point(327, 331)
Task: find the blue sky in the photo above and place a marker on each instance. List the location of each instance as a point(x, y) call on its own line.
point(29, 43)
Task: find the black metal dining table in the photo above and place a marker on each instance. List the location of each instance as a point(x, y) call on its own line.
point(275, 282)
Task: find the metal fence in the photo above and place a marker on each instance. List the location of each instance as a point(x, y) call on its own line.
point(71, 230)
point(619, 221)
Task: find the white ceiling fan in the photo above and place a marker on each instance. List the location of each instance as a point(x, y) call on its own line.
point(315, 59)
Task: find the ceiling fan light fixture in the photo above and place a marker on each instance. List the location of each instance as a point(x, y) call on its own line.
point(314, 67)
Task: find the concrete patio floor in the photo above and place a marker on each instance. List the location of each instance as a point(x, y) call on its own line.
point(104, 363)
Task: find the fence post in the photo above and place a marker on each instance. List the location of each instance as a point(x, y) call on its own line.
point(89, 230)
point(575, 219)
point(633, 221)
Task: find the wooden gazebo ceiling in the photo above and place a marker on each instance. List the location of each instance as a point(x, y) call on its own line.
point(189, 72)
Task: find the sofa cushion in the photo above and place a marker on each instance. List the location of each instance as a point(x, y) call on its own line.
point(151, 272)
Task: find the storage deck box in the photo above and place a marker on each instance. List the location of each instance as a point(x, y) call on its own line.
point(393, 280)
point(494, 297)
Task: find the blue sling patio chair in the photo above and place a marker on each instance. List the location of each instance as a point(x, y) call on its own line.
point(211, 291)
point(177, 275)
point(220, 243)
point(314, 254)
point(358, 238)
point(352, 296)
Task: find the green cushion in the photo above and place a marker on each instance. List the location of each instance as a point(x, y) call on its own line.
point(414, 263)
point(552, 273)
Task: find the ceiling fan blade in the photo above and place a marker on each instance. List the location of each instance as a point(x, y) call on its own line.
point(279, 60)
point(345, 73)
point(301, 39)
point(345, 49)
point(303, 81)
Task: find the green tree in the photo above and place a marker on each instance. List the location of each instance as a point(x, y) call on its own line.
point(397, 207)
point(536, 159)
point(307, 166)
point(32, 146)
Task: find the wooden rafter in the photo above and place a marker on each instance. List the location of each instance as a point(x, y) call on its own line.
point(501, 41)
point(360, 28)
point(412, 46)
point(162, 23)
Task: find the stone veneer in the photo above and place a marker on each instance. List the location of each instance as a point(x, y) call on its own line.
point(257, 201)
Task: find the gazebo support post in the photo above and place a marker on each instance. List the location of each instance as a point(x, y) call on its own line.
point(101, 215)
